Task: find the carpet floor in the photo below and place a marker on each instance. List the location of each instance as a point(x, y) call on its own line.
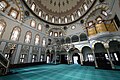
point(62, 72)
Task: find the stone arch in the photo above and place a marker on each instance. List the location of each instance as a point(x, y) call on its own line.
point(75, 38)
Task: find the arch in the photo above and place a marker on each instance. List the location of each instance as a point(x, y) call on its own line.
point(2, 27)
point(83, 37)
point(28, 37)
point(62, 41)
point(15, 34)
point(75, 38)
point(114, 49)
point(67, 40)
point(37, 39)
point(74, 55)
point(88, 58)
point(43, 41)
point(102, 56)
point(99, 48)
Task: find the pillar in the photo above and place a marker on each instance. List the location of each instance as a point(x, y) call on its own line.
point(112, 65)
point(81, 58)
point(17, 54)
point(96, 65)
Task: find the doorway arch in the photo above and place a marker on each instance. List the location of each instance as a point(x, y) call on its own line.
point(88, 58)
point(102, 57)
point(114, 49)
point(74, 56)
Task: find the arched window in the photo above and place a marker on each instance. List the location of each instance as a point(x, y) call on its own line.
point(72, 17)
point(13, 13)
point(53, 19)
point(37, 39)
point(2, 27)
point(75, 38)
point(40, 13)
point(43, 42)
point(104, 13)
point(68, 40)
point(15, 34)
point(46, 17)
point(33, 6)
point(51, 33)
point(56, 34)
point(85, 7)
point(28, 37)
point(66, 19)
point(83, 37)
point(3, 5)
point(59, 20)
point(79, 13)
point(33, 23)
point(39, 27)
point(73, 27)
point(99, 19)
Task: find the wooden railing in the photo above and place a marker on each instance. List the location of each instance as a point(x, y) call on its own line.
point(104, 26)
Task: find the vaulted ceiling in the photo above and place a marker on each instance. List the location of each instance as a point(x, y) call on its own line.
point(60, 12)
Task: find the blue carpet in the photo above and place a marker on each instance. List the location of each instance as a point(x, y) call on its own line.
point(62, 72)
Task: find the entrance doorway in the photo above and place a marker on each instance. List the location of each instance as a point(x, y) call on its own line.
point(75, 59)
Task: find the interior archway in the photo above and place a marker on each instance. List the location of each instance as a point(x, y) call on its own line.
point(88, 58)
point(101, 56)
point(115, 52)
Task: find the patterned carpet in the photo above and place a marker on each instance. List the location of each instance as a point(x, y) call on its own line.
point(62, 72)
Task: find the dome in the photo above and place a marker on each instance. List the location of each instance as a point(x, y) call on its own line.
point(60, 12)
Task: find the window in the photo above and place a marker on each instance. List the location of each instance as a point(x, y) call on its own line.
point(3, 5)
point(72, 18)
point(41, 58)
point(14, 13)
point(22, 58)
point(33, 58)
point(46, 17)
point(116, 57)
point(59, 20)
point(6, 55)
point(73, 27)
point(99, 19)
point(66, 20)
point(53, 20)
point(40, 13)
point(33, 7)
point(78, 12)
point(39, 27)
point(28, 37)
point(90, 24)
point(106, 56)
point(2, 27)
point(43, 42)
point(90, 57)
point(104, 13)
point(60, 34)
point(37, 39)
point(15, 34)
point(85, 7)
point(56, 34)
point(33, 23)
point(51, 33)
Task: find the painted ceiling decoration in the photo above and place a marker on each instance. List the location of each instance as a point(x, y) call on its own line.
point(60, 12)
